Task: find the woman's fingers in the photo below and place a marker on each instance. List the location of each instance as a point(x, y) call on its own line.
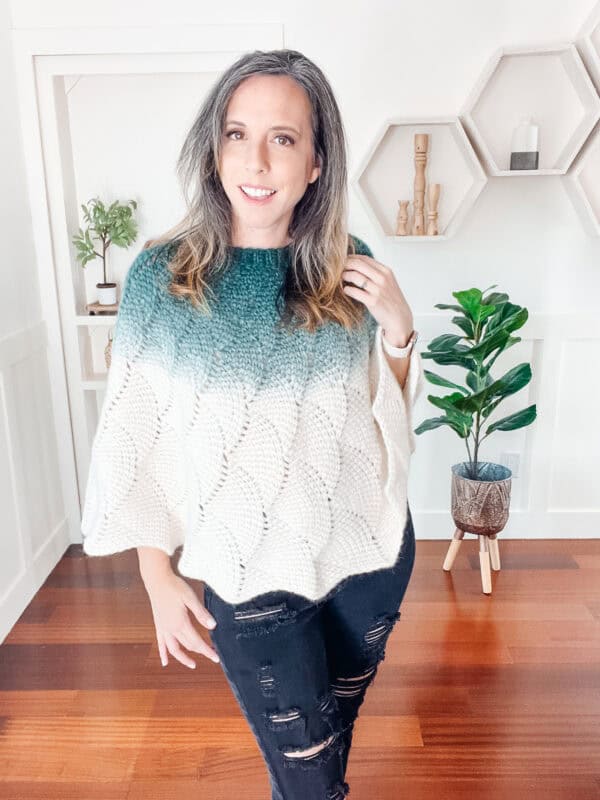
point(176, 650)
point(358, 276)
point(162, 649)
point(190, 638)
point(170, 600)
point(172, 643)
point(367, 264)
point(200, 611)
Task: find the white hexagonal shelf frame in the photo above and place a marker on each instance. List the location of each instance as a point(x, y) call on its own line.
point(589, 44)
point(548, 83)
point(582, 185)
point(387, 171)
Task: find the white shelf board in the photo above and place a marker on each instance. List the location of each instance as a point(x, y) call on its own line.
point(583, 186)
point(95, 320)
point(95, 383)
point(386, 174)
point(548, 83)
point(411, 238)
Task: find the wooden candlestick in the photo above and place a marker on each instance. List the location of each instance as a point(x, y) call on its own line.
point(402, 219)
point(433, 196)
point(421, 144)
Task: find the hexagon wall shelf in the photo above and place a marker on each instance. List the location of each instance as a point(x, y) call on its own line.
point(583, 186)
point(387, 172)
point(551, 85)
point(589, 44)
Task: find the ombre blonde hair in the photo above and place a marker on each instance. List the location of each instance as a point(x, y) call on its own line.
point(312, 292)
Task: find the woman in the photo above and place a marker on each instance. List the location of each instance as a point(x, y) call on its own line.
point(266, 429)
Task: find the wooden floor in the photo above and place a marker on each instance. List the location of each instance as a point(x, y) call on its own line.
point(479, 696)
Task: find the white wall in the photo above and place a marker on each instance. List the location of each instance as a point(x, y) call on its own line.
point(384, 59)
point(32, 512)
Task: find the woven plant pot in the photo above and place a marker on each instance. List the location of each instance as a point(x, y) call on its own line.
point(481, 506)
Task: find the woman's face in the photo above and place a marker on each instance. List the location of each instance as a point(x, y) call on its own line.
point(266, 142)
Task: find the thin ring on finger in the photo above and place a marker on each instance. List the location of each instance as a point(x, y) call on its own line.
point(359, 274)
point(365, 272)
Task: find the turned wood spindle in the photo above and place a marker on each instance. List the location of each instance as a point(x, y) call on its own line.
point(421, 144)
point(402, 219)
point(433, 196)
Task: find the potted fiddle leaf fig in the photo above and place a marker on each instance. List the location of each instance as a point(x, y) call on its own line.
point(480, 489)
point(110, 225)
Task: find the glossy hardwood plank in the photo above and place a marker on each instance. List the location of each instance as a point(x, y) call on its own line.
point(479, 696)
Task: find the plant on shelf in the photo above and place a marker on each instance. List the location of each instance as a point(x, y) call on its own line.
point(114, 224)
point(480, 489)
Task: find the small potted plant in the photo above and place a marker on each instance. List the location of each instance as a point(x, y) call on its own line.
point(112, 225)
point(480, 489)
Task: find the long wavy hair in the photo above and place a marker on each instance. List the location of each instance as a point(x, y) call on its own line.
point(312, 289)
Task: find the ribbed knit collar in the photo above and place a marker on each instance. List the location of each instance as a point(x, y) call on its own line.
point(265, 261)
point(273, 256)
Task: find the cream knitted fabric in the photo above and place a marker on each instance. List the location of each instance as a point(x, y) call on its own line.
point(277, 459)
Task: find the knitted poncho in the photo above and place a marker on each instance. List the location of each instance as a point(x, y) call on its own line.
point(278, 459)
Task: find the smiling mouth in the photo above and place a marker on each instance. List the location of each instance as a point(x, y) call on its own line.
point(260, 197)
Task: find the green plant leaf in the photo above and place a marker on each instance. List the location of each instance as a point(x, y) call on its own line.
point(465, 325)
point(517, 420)
point(447, 402)
point(431, 423)
point(487, 410)
point(444, 342)
point(470, 301)
point(452, 307)
point(455, 356)
point(495, 299)
point(435, 422)
point(511, 382)
point(488, 344)
point(493, 286)
point(433, 377)
point(478, 382)
point(485, 312)
point(460, 420)
point(509, 317)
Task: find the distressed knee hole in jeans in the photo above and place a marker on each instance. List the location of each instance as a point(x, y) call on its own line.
point(266, 679)
point(352, 687)
point(319, 750)
point(376, 637)
point(374, 641)
point(314, 754)
point(290, 719)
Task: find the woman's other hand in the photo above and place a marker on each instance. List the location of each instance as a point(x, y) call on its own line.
point(375, 285)
point(171, 597)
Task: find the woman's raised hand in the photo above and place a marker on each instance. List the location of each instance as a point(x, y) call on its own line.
point(171, 597)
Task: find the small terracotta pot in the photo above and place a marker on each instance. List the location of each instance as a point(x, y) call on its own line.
point(481, 506)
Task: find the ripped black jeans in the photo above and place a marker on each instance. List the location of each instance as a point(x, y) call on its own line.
point(299, 670)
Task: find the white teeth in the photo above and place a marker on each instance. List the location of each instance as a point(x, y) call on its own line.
point(257, 192)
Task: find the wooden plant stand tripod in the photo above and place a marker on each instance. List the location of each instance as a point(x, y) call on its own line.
point(489, 556)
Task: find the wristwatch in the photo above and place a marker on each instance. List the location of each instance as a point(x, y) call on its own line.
point(399, 352)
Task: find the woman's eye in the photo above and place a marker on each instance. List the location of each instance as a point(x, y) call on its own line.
point(229, 134)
